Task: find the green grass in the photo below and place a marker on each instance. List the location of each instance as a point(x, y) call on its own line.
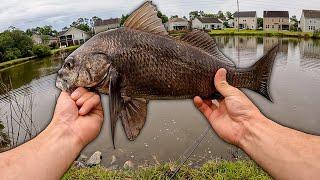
point(242, 169)
point(232, 31)
point(15, 61)
point(66, 49)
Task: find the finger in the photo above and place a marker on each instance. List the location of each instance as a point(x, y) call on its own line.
point(221, 84)
point(203, 107)
point(89, 104)
point(78, 93)
point(84, 98)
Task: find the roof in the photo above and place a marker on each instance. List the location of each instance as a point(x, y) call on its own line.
point(284, 14)
point(245, 14)
point(62, 33)
point(311, 13)
point(209, 20)
point(107, 22)
point(178, 20)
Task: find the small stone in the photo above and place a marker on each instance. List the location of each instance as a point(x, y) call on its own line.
point(113, 167)
point(128, 165)
point(95, 159)
point(132, 156)
point(113, 159)
point(83, 158)
point(209, 152)
point(79, 164)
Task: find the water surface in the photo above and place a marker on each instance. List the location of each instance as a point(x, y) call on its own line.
point(172, 126)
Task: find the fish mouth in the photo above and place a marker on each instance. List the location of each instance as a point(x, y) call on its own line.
point(64, 86)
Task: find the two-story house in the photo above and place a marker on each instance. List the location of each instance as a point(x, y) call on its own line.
point(276, 20)
point(73, 36)
point(245, 20)
point(175, 24)
point(104, 25)
point(310, 20)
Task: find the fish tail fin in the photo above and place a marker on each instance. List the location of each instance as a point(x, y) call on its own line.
point(257, 77)
point(262, 71)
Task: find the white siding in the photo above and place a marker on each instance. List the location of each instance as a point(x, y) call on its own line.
point(176, 25)
point(102, 28)
point(309, 24)
point(197, 24)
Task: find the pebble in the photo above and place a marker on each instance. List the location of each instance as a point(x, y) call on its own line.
point(82, 158)
point(79, 164)
point(95, 159)
point(128, 165)
point(113, 159)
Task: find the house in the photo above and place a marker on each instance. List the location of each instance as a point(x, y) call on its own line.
point(245, 20)
point(104, 25)
point(207, 23)
point(177, 23)
point(310, 20)
point(230, 23)
point(73, 36)
point(276, 20)
point(44, 39)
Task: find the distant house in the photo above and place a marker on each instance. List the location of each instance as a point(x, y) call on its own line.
point(310, 20)
point(230, 23)
point(276, 20)
point(44, 39)
point(247, 20)
point(104, 25)
point(175, 24)
point(207, 23)
point(73, 36)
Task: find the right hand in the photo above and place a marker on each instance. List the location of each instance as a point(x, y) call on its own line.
point(228, 117)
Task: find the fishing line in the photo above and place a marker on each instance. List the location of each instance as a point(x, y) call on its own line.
point(195, 145)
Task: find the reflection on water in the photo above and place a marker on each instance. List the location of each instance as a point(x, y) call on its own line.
point(294, 86)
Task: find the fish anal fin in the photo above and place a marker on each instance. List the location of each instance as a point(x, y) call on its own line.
point(145, 19)
point(133, 117)
point(206, 43)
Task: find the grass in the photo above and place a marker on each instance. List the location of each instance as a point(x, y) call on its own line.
point(66, 49)
point(232, 31)
point(242, 169)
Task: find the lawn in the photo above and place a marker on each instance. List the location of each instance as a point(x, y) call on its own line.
point(242, 169)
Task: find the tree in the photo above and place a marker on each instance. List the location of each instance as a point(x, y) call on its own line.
point(194, 14)
point(294, 23)
point(226, 24)
point(221, 16)
point(93, 20)
point(163, 17)
point(123, 18)
point(81, 23)
point(229, 15)
point(260, 22)
point(41, 50)
point(175, 16)
point(45, 30)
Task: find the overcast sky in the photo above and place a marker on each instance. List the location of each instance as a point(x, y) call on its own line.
point(25, 14)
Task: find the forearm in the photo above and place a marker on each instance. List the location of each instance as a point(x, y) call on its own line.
point(47, 156)
point(283, 152)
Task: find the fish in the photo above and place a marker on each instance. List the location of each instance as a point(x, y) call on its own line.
point(139, 62)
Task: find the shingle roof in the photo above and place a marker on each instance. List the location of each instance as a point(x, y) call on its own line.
point(209, 20)
point(311, 13)
point(245, 14)
point(284, 14)
point(107, 22)
point(178, 20)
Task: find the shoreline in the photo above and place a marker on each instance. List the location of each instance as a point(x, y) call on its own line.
point(221, 169)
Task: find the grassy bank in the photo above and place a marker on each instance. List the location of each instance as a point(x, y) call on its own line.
point(234, 32)
point(66, 49)
point(243, 169)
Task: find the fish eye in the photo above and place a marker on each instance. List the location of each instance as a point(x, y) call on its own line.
point(68, 65)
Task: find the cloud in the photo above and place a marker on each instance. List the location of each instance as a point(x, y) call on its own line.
point(25, 14)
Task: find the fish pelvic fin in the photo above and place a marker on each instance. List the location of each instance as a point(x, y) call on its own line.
point(257, 77)
point(133, 117)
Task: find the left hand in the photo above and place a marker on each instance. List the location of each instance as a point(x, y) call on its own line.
point(82, 113)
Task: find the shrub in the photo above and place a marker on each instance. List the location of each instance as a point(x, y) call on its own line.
point(12, 53)
point(41, 50)
point(316, 34)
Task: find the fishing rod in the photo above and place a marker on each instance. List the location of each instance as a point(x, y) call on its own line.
point(193, 147)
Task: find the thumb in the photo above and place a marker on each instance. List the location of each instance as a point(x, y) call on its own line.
point(221, 84)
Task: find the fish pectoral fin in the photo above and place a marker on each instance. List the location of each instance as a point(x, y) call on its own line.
point(133, 117)
point(145, 19)
point(115, 101)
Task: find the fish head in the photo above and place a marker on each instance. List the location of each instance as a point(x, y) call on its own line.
point(86, 67)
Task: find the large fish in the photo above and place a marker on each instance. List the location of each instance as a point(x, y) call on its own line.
point(140, 62)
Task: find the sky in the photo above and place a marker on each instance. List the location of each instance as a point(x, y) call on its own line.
point(24, 14)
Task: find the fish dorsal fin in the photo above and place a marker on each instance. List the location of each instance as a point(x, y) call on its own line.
point(201, 40)
point(145, 19)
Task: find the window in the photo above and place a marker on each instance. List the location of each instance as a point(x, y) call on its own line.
point(272, 26)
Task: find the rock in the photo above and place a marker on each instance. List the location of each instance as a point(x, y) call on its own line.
point(95, 159)
point(79, 164)
point(113, 167)
point(113, 159)
point(128, 165)
point(82, 158)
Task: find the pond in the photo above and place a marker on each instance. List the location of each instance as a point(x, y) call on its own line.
point(173, 126)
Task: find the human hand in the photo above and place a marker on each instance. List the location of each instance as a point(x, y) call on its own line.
point(82, 113)
point(228, 117)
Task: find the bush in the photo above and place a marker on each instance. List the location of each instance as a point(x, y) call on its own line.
point(316, 34)
point(41, 50)
point(12, 53)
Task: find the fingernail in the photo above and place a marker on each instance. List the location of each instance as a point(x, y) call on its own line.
point(81, 111)
point(75, 95)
